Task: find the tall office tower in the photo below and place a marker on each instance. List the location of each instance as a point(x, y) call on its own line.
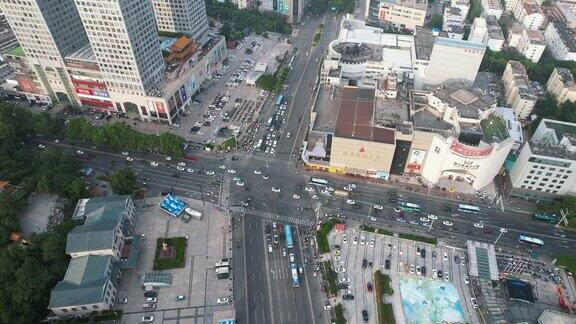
point(182, 16)
point(125, 42)
point(47, 30)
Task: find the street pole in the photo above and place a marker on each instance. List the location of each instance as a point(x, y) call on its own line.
point(202, 195)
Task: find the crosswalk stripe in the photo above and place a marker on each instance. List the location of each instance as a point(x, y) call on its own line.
point(269, 215)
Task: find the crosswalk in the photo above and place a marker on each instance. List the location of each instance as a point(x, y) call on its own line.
point(271, 216)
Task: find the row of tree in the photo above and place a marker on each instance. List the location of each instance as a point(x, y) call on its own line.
point(273, 82)
point(29, 272)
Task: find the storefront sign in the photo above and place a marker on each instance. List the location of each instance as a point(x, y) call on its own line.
point(470, 151)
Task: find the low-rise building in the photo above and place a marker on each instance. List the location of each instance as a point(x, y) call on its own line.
point(560, 41)
point(486, 30)
point(405, 14)
point(530, 14)
point(561, 84)
point(546, 165)
point(520, 93)
point(463, 5)
point(453, 22)
point(492, 7)
point(530, 43)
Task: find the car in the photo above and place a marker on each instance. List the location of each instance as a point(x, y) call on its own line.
point(479, 225)
point(331, 189)
point(231, 171)
point(418, 270)
point(283, 251)
point(276, 239)
point(424, 219)
point(397, 209)
point(327, 307)
point(348, 297)
point(151, 299)
point(56, 141)
point(379, 207)
point(147, 319)
point(372, 243)
point(288, 135)
point(445, 256)
point(269, 248)
point(372, 218)
point(503, 230)
point(466, 279)
point(315, 197)
point(122, 301)
point(309, 189)
point(344, 280)
point(365, 315)
point(296, 196)
point(79, 152)
point(182, 164)
point(154, 163)
point(190, 170)
point(364, 263)
point(362, 240)
point(42, 146)
point(355, 241)
point(180, 297)
point(343, 238)
point(433, 217)
point(446, 276)
point(175, 176)
point(440, 274)
point(150, 293)
point(447, 223)
point(240, 184)
point(412, 269)
point(413, 222)
point(180, 168)
point(257, 172)
point(125, 153)
point(265, 177)
point(222, 300)
point(168, 158)
point(434, 273)
point(222, 167)
point(209, 172)
point(325, 192)
point(292, 258)
point(129, 159)
point(149, 306)
point(274, 189)
point(350, 202)
point(401, 220)
point(474, 302)
point(387, 264)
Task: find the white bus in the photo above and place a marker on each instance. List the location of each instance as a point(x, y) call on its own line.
point(468, 208)
point(318, 181)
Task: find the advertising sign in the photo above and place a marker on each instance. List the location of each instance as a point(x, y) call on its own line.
point(87, 92)
point(160, 107)
point(382, 12)
point(416, 160)
point(470, 151)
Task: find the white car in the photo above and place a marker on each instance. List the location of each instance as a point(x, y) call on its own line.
point(479, 225)
point(330, 189)
point(351, 185)
point(355, 241)
point(222, 300)
point(350, 202)
point(445, 256)
point(292, 258)
point(274, 189)
point(257, 172)
point(168, 158)
point(154, 163)
point(125, 153)
point(42, 146)
point(372, 243)
point(222, 167)
point(434, 273)
point(412, 269)
point(240, 184)
point(503, 230)
point(180, 168)
point(424, 219)
point(379, 207)
point(288, 135)
point(209, 173)
point(343, 238)
point(447, 223)
point(446, 276)
point(129, 159)
point(80, 152)
point(315, 197)
point(309, 189)
point(397, 209)
point(325, 192)
point(147, 319)
point(182, 164)
point(344, 280)
point(231, 171)
point(372, 218)
point(265, 177)
point(296, 196)
point(190, 170)
point(433, 217)
point(474, 302)
point(466, 279)
point(362, 240)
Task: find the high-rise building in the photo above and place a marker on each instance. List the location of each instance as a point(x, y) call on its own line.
point(182, 16)
point(453, 59)
point(123, 36)
point(47, 31)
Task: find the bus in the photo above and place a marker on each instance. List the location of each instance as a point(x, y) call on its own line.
point(279, 100)
point(259, 144)
point(468, 208)
point(406, 206)
point(295, 279)
point(288, 234)
point(531, 240)
point(318, 181)
point(546, 217)
point(270, 121)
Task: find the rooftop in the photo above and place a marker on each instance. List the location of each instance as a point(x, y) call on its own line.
point(482, 258)
point(532, 8)
point(494, 129)
point(16, 51)
point(423, 43)
point(416, 4)
point(355, 52)
point(566, 76)
point(84, 53)
point(425, 120)
point(513, 126)
point(565, 35)
point(536, 37)
point(554, 316)
point(560, 128)
point(553, 151)
point(494, 30)
point(459, 43)
point(467, 99)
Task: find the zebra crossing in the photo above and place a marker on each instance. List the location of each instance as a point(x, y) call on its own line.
point(271, 216)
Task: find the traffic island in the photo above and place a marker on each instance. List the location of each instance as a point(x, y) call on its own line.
point(330, 278)
point(339, 314)
point(317, 34)
point(418, 238)
point(382, 286)
point(170, 253)
point(322, 235)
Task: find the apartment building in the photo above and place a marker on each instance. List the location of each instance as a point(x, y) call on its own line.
point(453, 59)
point(182, 16)
point(492, 7)
point(453, 22)
point(561, 84)
point(530, 14)
point(560, 41)
point(520, 93)
point(546, 165)
point(530, 43)
point(406, 14)
point(486, 30)
point(564, 13)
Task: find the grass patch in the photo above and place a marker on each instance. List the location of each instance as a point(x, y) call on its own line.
point(322, 235)
point(567, 262)
point(375, 230)
point(227, 144)
point(177, 261)
point(418, 238)
point(317, 35)
point(331, 277)
point(339, 314)
point(382, 286)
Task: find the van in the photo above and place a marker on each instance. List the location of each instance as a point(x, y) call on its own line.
point(269, 248)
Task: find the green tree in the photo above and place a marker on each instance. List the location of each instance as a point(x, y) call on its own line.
point(123, 181)
point(475, 10)
point(266, 82)
point(436, 21)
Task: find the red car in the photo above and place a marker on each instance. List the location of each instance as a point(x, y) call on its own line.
point(369, 286)
point(190, 158)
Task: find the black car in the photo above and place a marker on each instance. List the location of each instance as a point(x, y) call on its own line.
point(439, 273)
point(391, 193)
point(370, 264)
point(365, 315)
point(342, 286)
point(387, 264)
point(456, 259)
point(423, 271)
point(150, 294)
point(348, 297)
point(393, 200)
point(364, 263)
point(175, 175)
point(423, 253)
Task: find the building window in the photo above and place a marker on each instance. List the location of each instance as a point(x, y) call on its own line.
point(64, 310)
point(84, 308)
point(95, 306)
point(74, 309)
point(548, 174)
point(531, 171)
point(539, 172)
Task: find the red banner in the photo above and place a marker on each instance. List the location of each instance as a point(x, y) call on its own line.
point(470, 151)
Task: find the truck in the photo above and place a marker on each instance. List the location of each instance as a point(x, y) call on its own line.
point(341, 193)
point(222, 272)
point(189, 213)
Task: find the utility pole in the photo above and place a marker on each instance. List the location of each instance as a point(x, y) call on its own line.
point(202, 195)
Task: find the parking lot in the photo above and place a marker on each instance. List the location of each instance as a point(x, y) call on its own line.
point(208, 242)
point(362, 253)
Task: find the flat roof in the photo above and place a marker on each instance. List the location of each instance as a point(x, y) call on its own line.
point(461, 43)
point(482, 258)
point(16, 51)
point(84, 53)
point(554, 316)
point(173, 205)
point(356, 115)
point(423, 43)
point(520, 290)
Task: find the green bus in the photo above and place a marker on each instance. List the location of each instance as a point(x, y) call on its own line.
point(546, 217)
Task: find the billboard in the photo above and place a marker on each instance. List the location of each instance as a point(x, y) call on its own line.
point(382, 12)
point(416, 160)
point(160, 107)
point(470, 151)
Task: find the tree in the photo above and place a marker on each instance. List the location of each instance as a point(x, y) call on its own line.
point(436, 21)
point(266, 82)
point(123, 181)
